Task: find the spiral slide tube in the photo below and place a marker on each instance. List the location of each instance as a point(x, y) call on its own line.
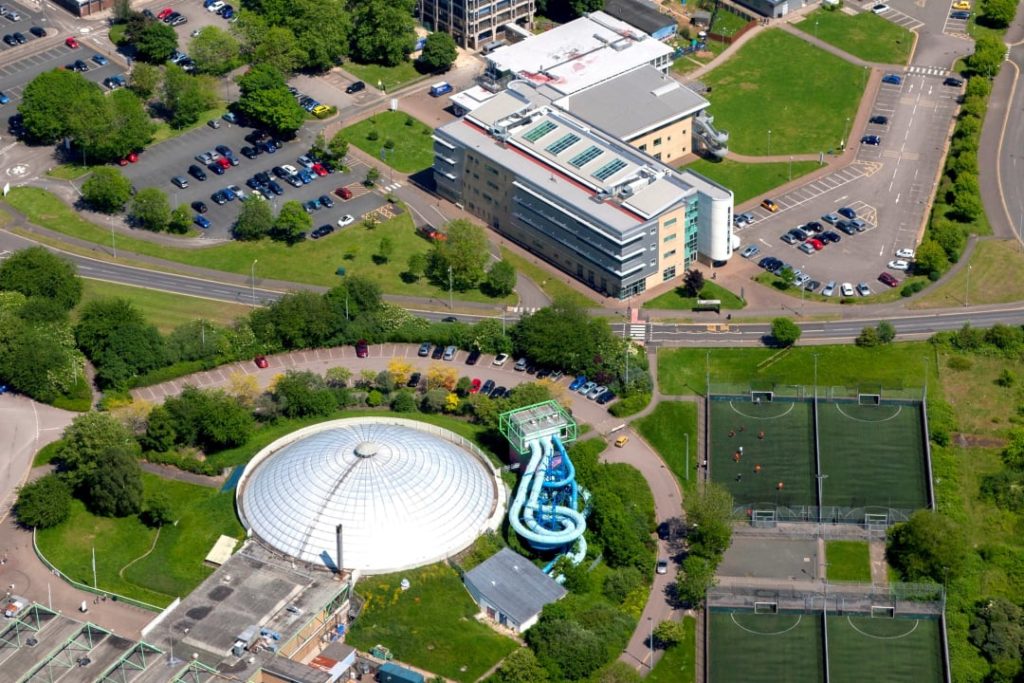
point(544, 508)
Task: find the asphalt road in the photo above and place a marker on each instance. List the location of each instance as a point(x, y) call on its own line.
point(1011, 151)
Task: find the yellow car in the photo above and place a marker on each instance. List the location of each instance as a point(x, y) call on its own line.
point(961, 4)
point(321, 110)
point(621, 441)
point(770, 205)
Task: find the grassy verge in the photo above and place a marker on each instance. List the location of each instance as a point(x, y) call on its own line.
point(163, 309)
point(164, 131)
point(391, 77)
point(665, 428)
point(863, 35)
point(431, 625)
point(778, 82)
point(413, 144)
point(880, 293)
point(69, 171)
point(308, 262)
point(993, 271)
point(847, 561)
point(46, 454)
point(175, 565)
point(983, 406)
point(117, 33)
point(681, 371)
point(677, 663)
point(678, 301)
point(751, 180)
point(695, 60)
point(548, 281)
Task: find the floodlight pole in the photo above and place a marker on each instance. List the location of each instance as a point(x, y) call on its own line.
point(687, 435)
point(253, 270)
point(451, 297)
point(650, 622)
point(967, 292)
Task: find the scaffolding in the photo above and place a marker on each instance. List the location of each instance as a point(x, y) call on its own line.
point(537, 421)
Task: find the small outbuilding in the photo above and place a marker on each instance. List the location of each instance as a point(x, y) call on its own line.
point(644, 16)
point(511, 590)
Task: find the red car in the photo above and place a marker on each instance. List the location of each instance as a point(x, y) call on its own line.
point(130, 159)
point(888, 279)
point(319, 169)
point(261, 362)
point(474, 387)
point(224, 163)
point(362, 349)
point(816, 243)
point(164, 13)
point(344, 193)
point(71, 42)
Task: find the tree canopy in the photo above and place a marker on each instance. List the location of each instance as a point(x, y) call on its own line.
point(254, 221)
point(210, 419)
point(114, 487)
point(265, 98)
point(107, 190)
point(154, 41)
point(785, 332)
point(118, 340)
point(929, 546)
point(186, 97)
point(150, 209)
point(383, 32)
point(43, 503)
point(214, 50)
point(463, 252)
point(439, 53)
point(86, 442)
point(44, 103)
point(37, 272)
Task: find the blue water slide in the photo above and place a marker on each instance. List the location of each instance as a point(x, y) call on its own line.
point(543, 511)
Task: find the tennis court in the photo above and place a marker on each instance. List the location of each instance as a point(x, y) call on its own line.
point(874, 455)
point(749, 647)
point(777, 442)
point(899, 650)
point(771, 648)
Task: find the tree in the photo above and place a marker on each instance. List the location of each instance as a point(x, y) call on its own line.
point(886, 331)
point(670, 633)
point(108, 128)
point(988, 55)
point(929, 546)
point(997, 630)
point(44, 103)
point(150, 209)
point(355, 297)
point(521, 666)
point(383, 31)
point(338, 146)
point(279, 48)
point(144, 80)
point(214, 50)
point(155, 42)
point(384, 250)
point(501, 278)
point(114, 487)
point(416, 266)
point(107, 190)
point(439, 53)
point(40, 360)
point(291, 223)
point(696, 577)
point(180, 221)
point(564, 335)
point(616, 672)
point(323, 30)
point(265, 98)
point(37, 272)
point(785, 332)
point(930, 258)
point(620, 582)
point(564, 647)
point(709, 513)
point(967, 198)
point(787, 278)
point(118, 340)
point(186, 96)
point(868, 337)
point(693, 282)
point(441, 377)
point(301, 394)
point(43, 503)
point(461, 253)
point(160, 436)
point(372, 176)
point(255, 220)
point(157, 511)
point(86, 442)
point(209, 419)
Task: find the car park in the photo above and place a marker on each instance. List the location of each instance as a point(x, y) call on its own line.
point(355, 87)
point(871, 140)
point(846, 289)
point(769, 205)
point(880, 8)
point(905, 253)
point(879, 120)
point(806, 248)
point(750, 251)
point(898, 264)
point(953, 82)
point(346, 220)
point(449, 352)
point(829, 289)
point(892, 79)
point(863, 289)
point(888, 279)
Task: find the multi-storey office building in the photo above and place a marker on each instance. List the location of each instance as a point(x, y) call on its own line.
point(474, 23)
point(591, 205)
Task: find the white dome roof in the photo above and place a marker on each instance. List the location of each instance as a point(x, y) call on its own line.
point(405, 497)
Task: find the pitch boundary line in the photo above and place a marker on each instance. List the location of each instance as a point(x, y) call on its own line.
point(917, 623)
point(754, 417)
point(799, 618)
point(899, 409)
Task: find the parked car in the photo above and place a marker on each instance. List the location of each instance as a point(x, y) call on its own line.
point(520, 365)
point(871, 140)
point(473, 357)
point(829, 289)
point(344, 193)
point(960, 14)
point(101, 60)
point(355, 87)
point(846, 289)
point(326, 201)
point(880, 8)
point(38, 31)
point(424, 350)
point(500, 359)
point(577, 383)
point(662, 567)
point(180, 181)
point(769, 205)
point(892, 79)
point(199, 207)
point(743, 220)
point(595, 392)
point(905, 253)
point(261, 362)
point(197, 172)
point(830, 218)
point(587, 388)
point(202, 221)
point(806, 248)
point(879, 120)
point(449, 352)
point(322, 231)
point(888, 279)
point(346, 220)
point(606, 397)
point(437, 352)
point(953, 82)
point(751, 251)
point(362, 349)
point(863, 289)
point(847, 212)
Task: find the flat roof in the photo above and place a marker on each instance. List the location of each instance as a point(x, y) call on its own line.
point(655, 100)
point(579, 54)
point(641, 14)
point(221, 550)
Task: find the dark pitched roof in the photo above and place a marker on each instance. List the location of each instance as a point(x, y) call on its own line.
point(637, 13)
point(513, 584)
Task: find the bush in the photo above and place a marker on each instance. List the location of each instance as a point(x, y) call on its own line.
point(631, 405)
point(43, 503)
point(157, 511)
point(785, 332)
point(912, 288)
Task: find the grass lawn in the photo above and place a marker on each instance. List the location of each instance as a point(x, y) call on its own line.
point(431, 625)
point(117, 33)
point(549, 281)
point(677, 663)
point(163, 309)
point(413, 143)
point(308, 262)
point(391, 76)
point(69, 171)
point(727, 23)
point(982, 405)
point(863, 35)
point(665, 428)
point(175, 565)
point(681, 371)
point(780, 83)
point(847, 561)
point(751, 180)
point(994, 278)
point(678, 301)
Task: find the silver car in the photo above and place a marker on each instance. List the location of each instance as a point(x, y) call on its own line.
point(449, 352)
point(587, 388)
point(830, 288)
point(595, 392)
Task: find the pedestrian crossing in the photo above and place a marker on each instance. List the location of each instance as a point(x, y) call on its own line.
point(638, 332)
point(929, 71)
point(392, 187)
point(522, 310)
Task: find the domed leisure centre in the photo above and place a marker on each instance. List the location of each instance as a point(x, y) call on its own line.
point(373, 494)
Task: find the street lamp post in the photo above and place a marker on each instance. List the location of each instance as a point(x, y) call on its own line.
point(650, 642)
point(451, 297)
point(687, 435)
point(253, 270)
point(967, 293)
point(769, 142)
point(113, 240)
point(791, 168)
